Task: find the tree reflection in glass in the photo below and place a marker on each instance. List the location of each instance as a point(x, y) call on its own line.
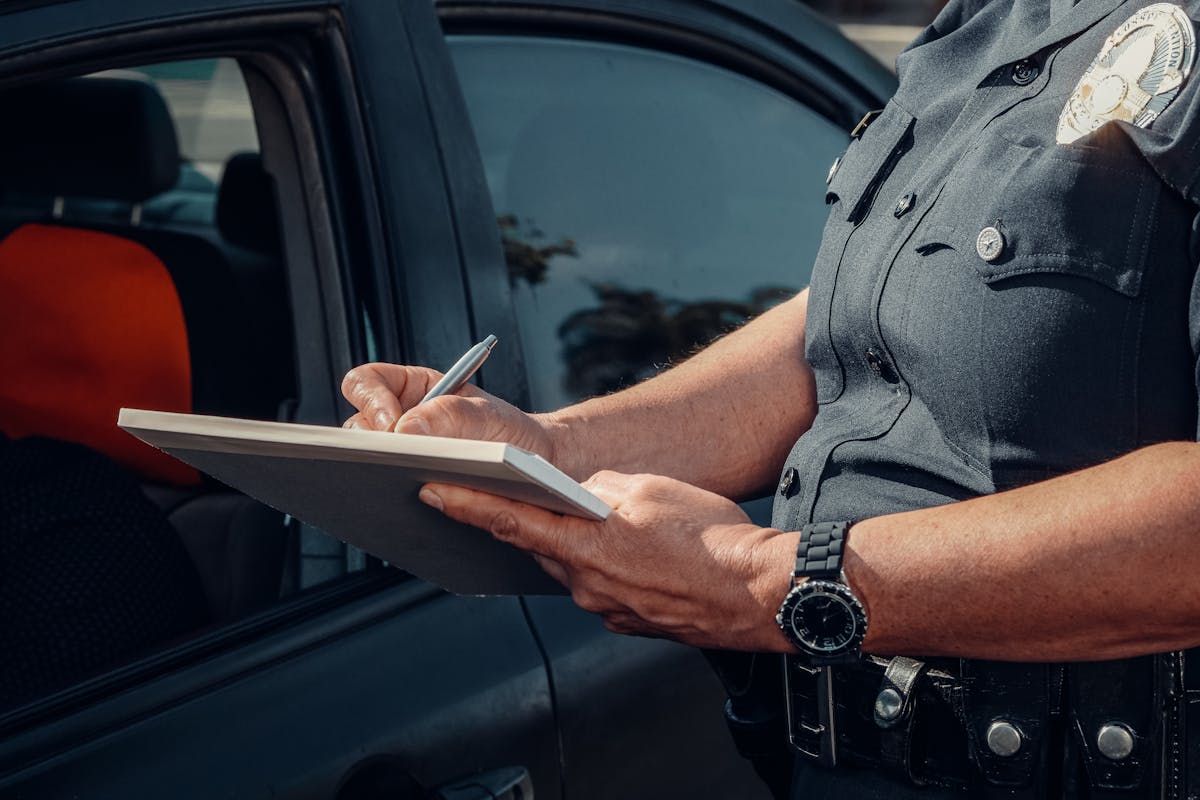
point(630, 334)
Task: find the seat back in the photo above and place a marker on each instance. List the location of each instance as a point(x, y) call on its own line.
point(91, 321)
point(93, 318)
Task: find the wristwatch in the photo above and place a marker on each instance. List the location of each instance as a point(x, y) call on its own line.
point(820, 615)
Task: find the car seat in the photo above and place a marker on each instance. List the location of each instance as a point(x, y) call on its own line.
point(93, 318)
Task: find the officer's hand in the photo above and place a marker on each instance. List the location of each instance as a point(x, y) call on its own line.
point(670, 561)
point(385, 396)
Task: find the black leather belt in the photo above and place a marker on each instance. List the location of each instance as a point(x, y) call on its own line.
point(1116, 729)
point(918, 719)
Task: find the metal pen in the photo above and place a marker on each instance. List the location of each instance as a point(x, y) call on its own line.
point(462, 370)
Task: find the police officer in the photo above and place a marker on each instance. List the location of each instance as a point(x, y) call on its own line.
point(987, 528)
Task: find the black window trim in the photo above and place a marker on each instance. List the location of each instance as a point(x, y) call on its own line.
point(722, 40)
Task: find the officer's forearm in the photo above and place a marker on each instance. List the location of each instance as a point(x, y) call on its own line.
point(1099, 564)
point(722, 420)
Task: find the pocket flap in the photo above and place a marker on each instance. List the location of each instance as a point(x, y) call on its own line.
point(868, 161)
point(1062, 209)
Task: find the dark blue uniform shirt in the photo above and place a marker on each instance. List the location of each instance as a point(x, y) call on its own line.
point(943, 374)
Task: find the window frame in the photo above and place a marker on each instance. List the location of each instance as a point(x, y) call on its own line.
point(740, 41)
point(277, 53)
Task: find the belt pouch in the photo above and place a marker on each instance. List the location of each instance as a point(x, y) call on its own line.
point(893, 713)
point(925, 742)
point(1006, 708)
point(1114, 718)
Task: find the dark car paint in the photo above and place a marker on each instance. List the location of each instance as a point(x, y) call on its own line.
point(291, 702)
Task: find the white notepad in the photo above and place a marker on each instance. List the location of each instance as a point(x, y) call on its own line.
point(361, 487)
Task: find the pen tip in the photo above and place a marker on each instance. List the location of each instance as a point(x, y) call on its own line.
point(490, 341)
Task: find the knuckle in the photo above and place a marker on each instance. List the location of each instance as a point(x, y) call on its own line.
point(352, 383)
point(602, 479)
point(587, 600)
point(503, 525)
point(371, 405)
point(641, 487)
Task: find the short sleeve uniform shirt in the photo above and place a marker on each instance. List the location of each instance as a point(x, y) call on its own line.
point(991, 307)
point(951, 362)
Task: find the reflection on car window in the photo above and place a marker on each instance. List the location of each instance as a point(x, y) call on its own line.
point(647, 202)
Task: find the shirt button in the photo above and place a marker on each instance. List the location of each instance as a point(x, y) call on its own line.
point(789, 484)
point(1025, 72)
point(833, 168)
point(990, 243)
point(904, 205)
point(879, 366)
point(874, 362)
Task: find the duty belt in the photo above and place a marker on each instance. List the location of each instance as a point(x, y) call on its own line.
point(1000, 729)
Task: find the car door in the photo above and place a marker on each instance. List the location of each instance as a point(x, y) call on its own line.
point(356, 681)
point(657, 173)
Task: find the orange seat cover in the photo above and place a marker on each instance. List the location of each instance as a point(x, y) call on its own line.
point(90, 322)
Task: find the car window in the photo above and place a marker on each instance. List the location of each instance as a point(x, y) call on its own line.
point(646, 202)
point(122, 285)
point(211, 109)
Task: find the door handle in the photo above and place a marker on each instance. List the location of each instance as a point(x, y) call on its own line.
point(506, 783)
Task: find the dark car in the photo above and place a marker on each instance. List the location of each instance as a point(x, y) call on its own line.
point(604, 185)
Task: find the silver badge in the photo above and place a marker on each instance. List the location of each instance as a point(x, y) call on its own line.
point(1139, 71)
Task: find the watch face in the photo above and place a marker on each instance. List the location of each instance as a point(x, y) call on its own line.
point(823, 618)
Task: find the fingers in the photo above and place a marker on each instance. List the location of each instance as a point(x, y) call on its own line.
point(382, 392)
point(611, 487)
point(544, 533)
point(387, 396)
point(450, 415)
point(459, 417)
point(640, 495)
point(553, 569)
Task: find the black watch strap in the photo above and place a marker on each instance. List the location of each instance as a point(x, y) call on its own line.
point(819, 554)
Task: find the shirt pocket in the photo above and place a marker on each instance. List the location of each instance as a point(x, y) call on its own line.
point(853, 186)
point(1076, 211)
point(1031, 267)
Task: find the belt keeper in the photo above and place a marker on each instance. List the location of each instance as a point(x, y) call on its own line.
point(893, 712)
point(893, 704)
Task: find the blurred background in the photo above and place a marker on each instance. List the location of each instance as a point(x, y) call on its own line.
point(882, 27)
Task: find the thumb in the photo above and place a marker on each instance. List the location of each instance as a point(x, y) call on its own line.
point(450, 415)
point(412, 423)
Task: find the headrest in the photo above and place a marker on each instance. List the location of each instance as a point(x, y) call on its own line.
point(90, 322)
point(247, 214)
point(106, 138)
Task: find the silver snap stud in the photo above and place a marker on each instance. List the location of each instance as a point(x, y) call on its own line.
point(833, 168)
point(1003, 738)
point(888, 705)
point(1115, 741)
point(990, 243)
point(904, 205)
